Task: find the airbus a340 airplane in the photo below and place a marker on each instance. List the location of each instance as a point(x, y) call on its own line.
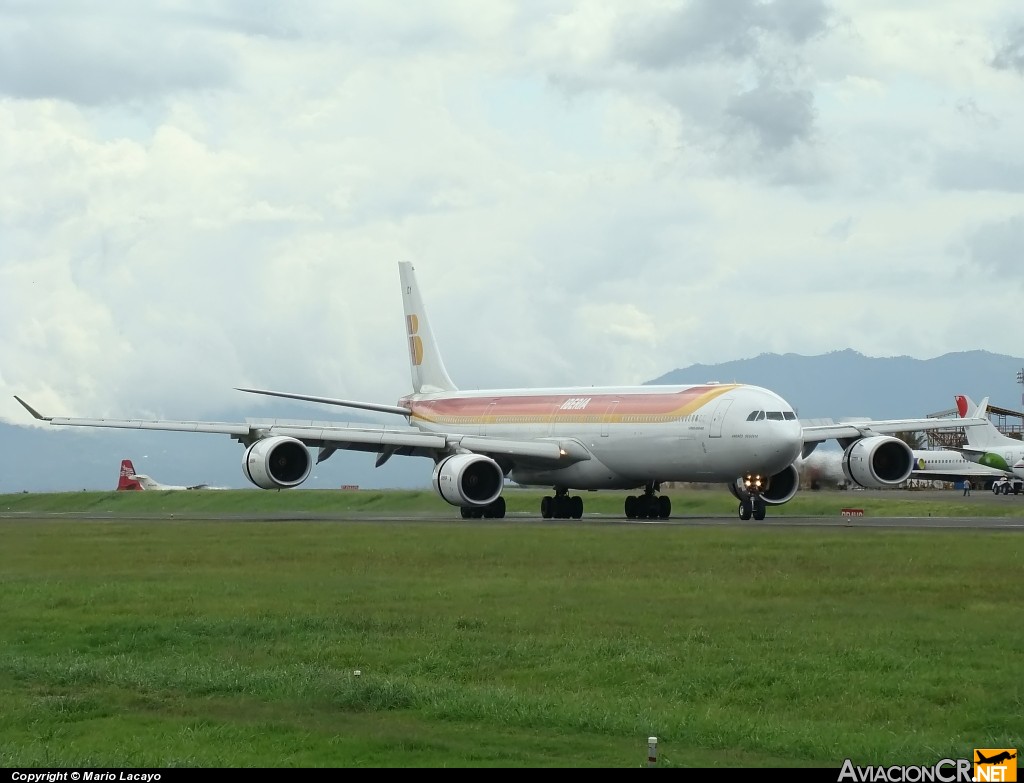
point(130, 480)
point(578, 438)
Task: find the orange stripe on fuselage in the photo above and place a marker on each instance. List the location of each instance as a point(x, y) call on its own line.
point(579, 408)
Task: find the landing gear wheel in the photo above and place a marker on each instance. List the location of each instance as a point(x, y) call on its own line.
point(467, 513)
point(577, 507)
point(566, 505)
point(497, 508)
point(745, 510)
point(546, 503)
point(631, 507)
point(650, 507)
point(664, 507)
point(759, 508)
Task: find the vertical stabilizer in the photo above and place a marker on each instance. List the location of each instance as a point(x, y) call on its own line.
point(428, 372)
point(964, 405)
point(127, 480)
point(986, 435)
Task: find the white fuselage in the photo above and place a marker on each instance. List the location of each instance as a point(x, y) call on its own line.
point(938, 464)
point(149, 483)
point(952, 462)
point(702, 433)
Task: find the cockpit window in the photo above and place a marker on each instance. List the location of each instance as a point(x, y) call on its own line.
point(772, 415)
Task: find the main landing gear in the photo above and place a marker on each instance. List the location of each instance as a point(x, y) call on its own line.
point(495, 510)
point(648, 505)
point(561, 506)
point(645, 506)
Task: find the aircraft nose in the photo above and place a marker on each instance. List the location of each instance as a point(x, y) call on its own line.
point(792, 441)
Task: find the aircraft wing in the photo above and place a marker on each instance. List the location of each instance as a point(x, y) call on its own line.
point(385, 440)
point(815, 433)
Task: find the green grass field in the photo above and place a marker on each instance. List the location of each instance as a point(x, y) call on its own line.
point(686, 502)
point(146, 642)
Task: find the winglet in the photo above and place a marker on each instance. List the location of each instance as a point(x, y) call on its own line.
point(981, 412)
point(32, 410)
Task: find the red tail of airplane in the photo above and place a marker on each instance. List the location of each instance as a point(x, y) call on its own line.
point(961, 405)
point(127, 472)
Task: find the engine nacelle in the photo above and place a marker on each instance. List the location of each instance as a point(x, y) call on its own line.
point(878, 462)
point(775, 490)
point(782, 486)
point(468, 480)
point(277, 463)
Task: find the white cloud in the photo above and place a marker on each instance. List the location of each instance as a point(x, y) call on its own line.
point(201, 196)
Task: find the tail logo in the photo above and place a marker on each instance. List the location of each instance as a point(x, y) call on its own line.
point(415, 342)
point(961, 405)
point(126, 480)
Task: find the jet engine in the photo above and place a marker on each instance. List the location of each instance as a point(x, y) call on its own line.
point(878, 462)
point(279, 462)
point(774, 490)
point(468, 480)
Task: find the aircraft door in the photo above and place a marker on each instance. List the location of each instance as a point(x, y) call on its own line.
point(553, 417)
point(715, 430)
point(487, 425)
point(609, 415)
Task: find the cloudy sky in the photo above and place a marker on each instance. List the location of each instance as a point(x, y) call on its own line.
point(203, 195)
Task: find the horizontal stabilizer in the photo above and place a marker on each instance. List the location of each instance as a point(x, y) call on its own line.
point(366, 406)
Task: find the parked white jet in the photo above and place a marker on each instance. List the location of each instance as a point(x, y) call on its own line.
point(928, 464)
point(130, 480)
point(985, 444)
point(578, 438)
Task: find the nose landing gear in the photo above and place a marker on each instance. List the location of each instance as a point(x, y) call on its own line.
point(752, 507)
point(748, 490)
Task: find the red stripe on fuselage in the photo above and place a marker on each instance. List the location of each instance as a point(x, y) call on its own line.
point(580, 407)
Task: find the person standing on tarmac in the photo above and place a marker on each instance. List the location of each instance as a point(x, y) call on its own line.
point(967, 488)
